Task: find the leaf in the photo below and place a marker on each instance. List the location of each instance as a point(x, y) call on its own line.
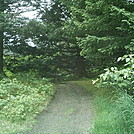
point(112, 68)
point(119, 59)
point(127, 59)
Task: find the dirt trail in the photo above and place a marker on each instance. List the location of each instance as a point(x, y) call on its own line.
point(68, 113)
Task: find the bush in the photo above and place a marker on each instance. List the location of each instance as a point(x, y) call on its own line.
point(115, 115)
point(20, 101)
point(121, 79)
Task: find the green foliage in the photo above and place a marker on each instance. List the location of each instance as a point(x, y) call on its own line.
point(115, 113)
point(79, 37)
point(121, 79)
point(54, 41)
point(114, 110)
point(12, 23)
point(103, 29)
point(22, 98)
point(2, 76)
point(22, 63)
point(114, 116)
point(18, 101)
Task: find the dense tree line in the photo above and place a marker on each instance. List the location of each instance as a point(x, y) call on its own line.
point(74, 37)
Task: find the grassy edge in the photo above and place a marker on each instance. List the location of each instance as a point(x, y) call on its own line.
point(113, 110)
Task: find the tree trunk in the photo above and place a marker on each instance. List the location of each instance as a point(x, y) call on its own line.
point(1, 34)
point(80, 64)
point(1, 51)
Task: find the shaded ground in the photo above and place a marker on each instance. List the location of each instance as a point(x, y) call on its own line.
point(68, 113)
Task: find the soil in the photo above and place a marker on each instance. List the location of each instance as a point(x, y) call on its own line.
point(70, 112)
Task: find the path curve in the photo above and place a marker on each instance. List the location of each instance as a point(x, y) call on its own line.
point(70, 112)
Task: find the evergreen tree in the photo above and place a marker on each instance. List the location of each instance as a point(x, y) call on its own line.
point(58, 42)
point(11, 23)
point(104, 29)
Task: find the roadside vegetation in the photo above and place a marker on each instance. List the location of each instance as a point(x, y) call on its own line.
point(113, 99)
point(113, 110)
point(22, 97)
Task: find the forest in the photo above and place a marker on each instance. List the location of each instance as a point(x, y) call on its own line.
point(88, 42)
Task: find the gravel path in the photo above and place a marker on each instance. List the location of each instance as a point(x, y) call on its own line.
point(68, 113)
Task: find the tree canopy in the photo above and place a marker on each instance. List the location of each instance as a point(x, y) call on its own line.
point(72, 37)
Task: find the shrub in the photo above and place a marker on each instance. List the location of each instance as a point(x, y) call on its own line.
point(115, 115)
point(121, 79)
point(20, 101)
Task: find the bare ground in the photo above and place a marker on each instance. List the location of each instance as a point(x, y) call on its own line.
point(70, 112)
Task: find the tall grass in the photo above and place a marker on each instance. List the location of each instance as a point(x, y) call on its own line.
point(114, 110)
point(114, 116)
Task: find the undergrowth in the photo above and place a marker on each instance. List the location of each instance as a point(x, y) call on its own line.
point(114, 110)
point(22, 97)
